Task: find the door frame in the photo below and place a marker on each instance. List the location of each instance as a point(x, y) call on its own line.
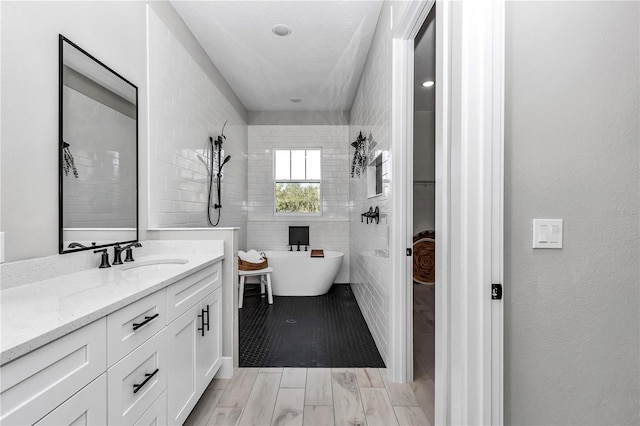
point(469, 206)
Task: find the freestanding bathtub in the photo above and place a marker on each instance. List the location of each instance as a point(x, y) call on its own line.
point(296, 273)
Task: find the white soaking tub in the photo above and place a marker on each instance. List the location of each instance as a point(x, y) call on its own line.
point(296, 273)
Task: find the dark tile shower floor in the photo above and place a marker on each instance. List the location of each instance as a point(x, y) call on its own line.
point(316, 331)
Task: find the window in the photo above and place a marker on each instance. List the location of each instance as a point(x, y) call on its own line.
point(298, 180)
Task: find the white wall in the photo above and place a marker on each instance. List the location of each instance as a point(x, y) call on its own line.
point(572, 316)
point(185, 108)
point(330, 231)
point(369, 244)
point(424, 169)
point(114, 32)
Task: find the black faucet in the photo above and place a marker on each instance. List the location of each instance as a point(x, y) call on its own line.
point(117, 254)
point(104, 258)
point(129, 248)
point(298, 245)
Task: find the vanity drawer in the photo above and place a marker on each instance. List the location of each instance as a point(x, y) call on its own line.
point(146, 368)
point(134, 324)
point(88, 407)
point(38, 382)
point(190, 290)
point(156, 415)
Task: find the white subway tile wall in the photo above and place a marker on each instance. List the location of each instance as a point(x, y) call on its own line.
point(369, 244)
point(330, 230)
point(102, 142)
point(185, 108)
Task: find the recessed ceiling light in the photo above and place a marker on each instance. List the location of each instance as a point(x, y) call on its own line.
point(428, 83)
point(295, 100)
point(281, 30)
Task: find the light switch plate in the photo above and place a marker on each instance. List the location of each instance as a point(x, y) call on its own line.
point(547, 233)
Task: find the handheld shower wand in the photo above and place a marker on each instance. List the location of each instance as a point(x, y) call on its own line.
point(217, 144)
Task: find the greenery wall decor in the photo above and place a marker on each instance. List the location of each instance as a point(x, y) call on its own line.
point(358, 165)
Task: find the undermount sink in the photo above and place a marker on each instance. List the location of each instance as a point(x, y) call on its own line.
point(154, 262)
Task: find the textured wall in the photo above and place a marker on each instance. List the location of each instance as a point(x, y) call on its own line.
point(572, 152)
point(268, 231)
point(369, 244)
point(185, 108)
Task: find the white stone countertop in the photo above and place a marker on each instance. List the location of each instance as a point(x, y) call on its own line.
point(35, 314)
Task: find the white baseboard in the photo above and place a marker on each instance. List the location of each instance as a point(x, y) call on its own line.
point(226, 369)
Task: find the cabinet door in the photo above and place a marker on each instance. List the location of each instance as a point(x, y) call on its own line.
point(182, 393)
point(210, 343)
point(87, 407)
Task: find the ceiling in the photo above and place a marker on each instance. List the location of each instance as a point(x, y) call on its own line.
point(320, 62)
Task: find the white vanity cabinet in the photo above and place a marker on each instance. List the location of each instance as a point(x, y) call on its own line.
point(194, 343)
point(87, 407)
point(36, 383)
point(146, 363)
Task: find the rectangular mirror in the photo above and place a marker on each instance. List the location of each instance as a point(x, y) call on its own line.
point(98, 137)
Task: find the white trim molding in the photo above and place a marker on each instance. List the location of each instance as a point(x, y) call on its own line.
point(469, 206)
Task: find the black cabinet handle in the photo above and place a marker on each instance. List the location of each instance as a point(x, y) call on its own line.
point(207, 312)
point(201, 316)
point(136, 388)
point(204, 322)
point(146, 321)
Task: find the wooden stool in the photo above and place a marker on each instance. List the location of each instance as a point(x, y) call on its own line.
point(260, 272)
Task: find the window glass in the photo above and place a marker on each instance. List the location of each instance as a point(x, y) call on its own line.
point(298, 181)
point(298, 164)
point(283, 164)
point(313, 164)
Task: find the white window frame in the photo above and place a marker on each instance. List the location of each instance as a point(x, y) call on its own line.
point(276, 181)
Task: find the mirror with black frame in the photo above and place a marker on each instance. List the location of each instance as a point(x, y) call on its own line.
point(98, 137)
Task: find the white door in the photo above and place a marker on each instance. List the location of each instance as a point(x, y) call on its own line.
point(469, 193)
point(182, 350)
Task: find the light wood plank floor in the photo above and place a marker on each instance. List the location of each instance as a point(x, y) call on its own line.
point(308, 396)
point(423, 349)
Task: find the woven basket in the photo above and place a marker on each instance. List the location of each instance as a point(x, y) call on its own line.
point(250, 266)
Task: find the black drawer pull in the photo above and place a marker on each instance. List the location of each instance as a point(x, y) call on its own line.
point(201, 316)
point(204, 322)
point(136, 388)
point(207, 312)
point(146, 321)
